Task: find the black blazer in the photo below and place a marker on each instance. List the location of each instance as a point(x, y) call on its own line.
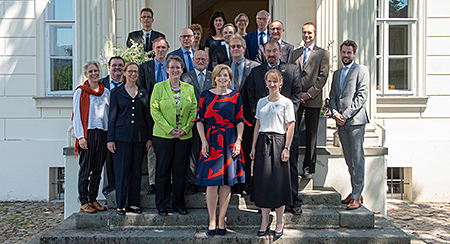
point(292, 87)
point(219, 56)
point(138, 36)
point(129, 119)
point(252, 43)
point(105, 81)
point(147, 76)
point(286, 53)
point(178, 52)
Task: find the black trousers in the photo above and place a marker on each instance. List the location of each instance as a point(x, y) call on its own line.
point(293, 155)
point(194, 155)
point(311, 124)
point(172, 156)
point(128, 171)
point(247, 138)
point(91, 163)
point(109, 180)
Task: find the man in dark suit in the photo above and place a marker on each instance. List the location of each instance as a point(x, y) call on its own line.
point(111, 81)
point(150, 73)
point(292, 87)
point(185, 52)
point(222, 54)
point(201, 80)
point(241, 68)
point(259, 36)
point(276, 31)
point(314, 64)
point(147, 34)
point(349, 92)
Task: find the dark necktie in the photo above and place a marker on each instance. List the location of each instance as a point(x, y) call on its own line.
point(236, 77)
point(261, 38)
point(116, 84)
point(201, 81)
point(147, 42)
point(159, 76)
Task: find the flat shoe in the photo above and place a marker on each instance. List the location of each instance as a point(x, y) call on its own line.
point(121, 212)
point(211, 232)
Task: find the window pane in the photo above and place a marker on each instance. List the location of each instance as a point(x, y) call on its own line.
point(400, 9)
point(61, 74)
point(379, 74)
point(379, 9)
point(60, 10)
point(61, 40)
point(399, 39)
point(399, 76)
point(379, 39)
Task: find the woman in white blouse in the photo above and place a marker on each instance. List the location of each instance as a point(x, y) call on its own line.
point(272, 138)
point(90, 127)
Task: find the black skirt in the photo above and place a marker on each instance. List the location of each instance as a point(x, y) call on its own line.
point(271, 177)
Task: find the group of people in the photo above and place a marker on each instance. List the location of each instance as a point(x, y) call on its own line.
point(202, 113)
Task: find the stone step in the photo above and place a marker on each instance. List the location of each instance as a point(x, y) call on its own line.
point(383, 233)
point(236, 218)
point(323, 197)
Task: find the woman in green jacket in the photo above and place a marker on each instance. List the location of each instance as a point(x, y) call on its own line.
point(173, 107)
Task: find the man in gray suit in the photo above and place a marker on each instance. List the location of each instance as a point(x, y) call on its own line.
point(150, 73)
point(241, 68)
point(201, 80)
point(276, 31)
point(349, 92)
point(314, 64)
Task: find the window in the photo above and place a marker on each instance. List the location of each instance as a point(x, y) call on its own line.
point(395, 48)
point(398, 182)
point(57, 183)
point(60, 48)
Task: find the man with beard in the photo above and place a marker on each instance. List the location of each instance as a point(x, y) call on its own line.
point(150, 73)
point(349, 92)
point(291, 89)
point(276, 31)
point(147, 34)
point(111, 81)
point(201, 80)
point(185, 52)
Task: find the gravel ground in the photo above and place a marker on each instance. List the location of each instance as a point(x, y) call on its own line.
point(20, 221)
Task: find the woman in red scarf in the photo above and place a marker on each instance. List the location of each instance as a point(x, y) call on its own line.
point(90, 126)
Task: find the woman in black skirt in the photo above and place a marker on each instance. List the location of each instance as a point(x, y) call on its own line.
point(274, 130)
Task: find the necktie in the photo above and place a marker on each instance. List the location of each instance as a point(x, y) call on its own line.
point(236, 77)
point(201, 81)
point(305, 56)
point(116, 84)
point(147, 42)
point(191, 64)
point(343, 75)
point(159, 75)
point(261, 38)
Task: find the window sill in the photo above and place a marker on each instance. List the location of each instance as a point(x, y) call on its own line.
point(54, 102)
point(400, 106)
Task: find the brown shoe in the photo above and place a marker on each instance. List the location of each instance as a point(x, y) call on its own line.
point(87, 208)
point(349, 198)
point(97, 206)
point(354, 204)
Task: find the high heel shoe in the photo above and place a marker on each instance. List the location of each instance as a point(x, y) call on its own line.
point(263, 233)
point(278, 234)
point(221, 232)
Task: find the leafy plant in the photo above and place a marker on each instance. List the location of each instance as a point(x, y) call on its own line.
point(135, 53)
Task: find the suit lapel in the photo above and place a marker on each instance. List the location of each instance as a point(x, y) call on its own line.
point(197, 85)
point(312, 54)
point(347, 77)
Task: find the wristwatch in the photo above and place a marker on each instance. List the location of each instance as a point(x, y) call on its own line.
point(288, 148)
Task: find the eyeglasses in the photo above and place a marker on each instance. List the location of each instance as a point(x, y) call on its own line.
point(147, 17)
point(236, 46)
point(116, 65)
point(132, 71)
point(172, 67)
point(186, 36)
point(277, 29)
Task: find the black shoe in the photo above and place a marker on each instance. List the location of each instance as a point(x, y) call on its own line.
point(263, 233)
point(307, 176)
point(151, 190)
point(134, 210)
point(278, 234)
point(211, 232)
point(162, 212)
point(296, 210)
point(121, 212)
point(191, 189)
point(221, 232)
point(181, 211)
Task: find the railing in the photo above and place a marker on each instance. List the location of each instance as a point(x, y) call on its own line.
point(70, 136)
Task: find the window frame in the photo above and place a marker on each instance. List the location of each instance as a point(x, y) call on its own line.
point(49, 23)
point(383, 55)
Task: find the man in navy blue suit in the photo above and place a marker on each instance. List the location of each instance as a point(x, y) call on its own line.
point(185, 52)
point(147, 34)
point(259, 36)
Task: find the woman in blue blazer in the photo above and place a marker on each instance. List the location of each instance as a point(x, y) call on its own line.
point(173, 107)
point(129, 136)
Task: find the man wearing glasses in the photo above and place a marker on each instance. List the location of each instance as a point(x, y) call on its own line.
point(146, 35)
point(259, 36)
point(276, 31)
point(185, 52)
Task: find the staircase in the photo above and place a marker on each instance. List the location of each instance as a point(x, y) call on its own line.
point(324, 220)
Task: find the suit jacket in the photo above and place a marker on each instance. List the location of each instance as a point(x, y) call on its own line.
point(252, 43)
point(147, 77)
point(219, 56)
point(256, 86)
point(314, 74)
point(179, 52)
point(286, 53)
point(163, 110)
point(191, 78)
point(138, 36)
point(105, 81)
point(129, 118)
point(355, 90)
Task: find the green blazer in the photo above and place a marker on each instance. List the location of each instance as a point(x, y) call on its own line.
point(163, 110)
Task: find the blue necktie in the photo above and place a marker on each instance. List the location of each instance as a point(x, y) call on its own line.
point(191, 64)
point(261, 38)
point(343, 75)
point(305, 56)
point(159, 76)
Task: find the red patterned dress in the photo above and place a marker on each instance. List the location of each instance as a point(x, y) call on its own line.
point(220, 114)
